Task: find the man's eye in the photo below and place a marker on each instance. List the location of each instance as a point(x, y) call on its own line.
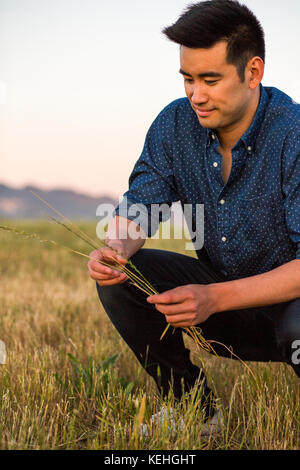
point(211, 82)
point(188, 80)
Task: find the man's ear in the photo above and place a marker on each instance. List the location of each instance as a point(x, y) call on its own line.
point(254, 72)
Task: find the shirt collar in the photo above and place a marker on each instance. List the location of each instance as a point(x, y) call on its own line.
point(250, 136)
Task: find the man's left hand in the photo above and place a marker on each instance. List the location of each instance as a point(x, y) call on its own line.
point(185, 306)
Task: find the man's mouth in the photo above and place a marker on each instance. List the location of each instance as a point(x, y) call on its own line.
point(204, 112)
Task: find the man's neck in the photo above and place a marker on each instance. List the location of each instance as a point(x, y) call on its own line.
point(228, 137)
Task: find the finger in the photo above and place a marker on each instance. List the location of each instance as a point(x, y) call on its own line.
point(174, 309)
point(111, 255)
point(182, 325)
point(180, 321)
point(95, 254)
point(174, 319)
point(121, 259)
point(106, 277)
point(108, 256)
point(94, 261)
point(111, 282)
point(170, 297)
point(99, 266)
point(102, 269)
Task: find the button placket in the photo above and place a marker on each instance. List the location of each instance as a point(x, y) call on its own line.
point(226, 247)
point(222, 222)
point(215, 166)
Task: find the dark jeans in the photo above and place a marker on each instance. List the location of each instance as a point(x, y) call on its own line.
point(257, 334)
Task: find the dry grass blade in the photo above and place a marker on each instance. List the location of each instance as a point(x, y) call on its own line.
point(79, 233)
point(165, 331)
point(142, 410)
point(84, 235)
point(144, 286)
point(70, 230)
point(202, 343)
point(139, 280)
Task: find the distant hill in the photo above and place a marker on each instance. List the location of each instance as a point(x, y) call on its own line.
point(20, 203)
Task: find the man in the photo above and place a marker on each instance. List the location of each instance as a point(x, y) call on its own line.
point(232, 145)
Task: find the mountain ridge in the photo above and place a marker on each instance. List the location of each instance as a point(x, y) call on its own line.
point(21, 203)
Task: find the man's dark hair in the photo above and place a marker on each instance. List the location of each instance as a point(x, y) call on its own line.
point(204, 24)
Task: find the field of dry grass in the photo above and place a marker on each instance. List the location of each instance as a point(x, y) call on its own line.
point(70, 382)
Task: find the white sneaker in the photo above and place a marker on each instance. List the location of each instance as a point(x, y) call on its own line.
point(214, 425)
point(165, 418)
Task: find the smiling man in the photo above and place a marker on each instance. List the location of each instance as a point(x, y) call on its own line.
point(218, 95)
point(234, 146)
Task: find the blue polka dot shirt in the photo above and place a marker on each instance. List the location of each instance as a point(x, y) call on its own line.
point(252, 223)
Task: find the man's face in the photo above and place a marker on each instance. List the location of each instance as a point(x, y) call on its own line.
point(213, 87)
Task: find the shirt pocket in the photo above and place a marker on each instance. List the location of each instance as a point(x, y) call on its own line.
point(263, 221)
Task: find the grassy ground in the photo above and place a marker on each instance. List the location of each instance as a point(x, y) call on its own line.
point(70, 382)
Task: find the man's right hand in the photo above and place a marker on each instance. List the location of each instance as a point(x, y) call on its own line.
point(104, 275)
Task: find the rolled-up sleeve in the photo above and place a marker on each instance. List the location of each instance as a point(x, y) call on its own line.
point(291, 188)
point(152, 180)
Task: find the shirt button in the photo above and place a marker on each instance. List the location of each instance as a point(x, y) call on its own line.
point(213, 137)
point(222, 201)
point(216, 164)
point(224, 239)
point(249, 149)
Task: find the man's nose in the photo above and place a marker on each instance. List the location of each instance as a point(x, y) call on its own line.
point(199, 96)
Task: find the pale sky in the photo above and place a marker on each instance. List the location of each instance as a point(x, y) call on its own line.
point(81, 81)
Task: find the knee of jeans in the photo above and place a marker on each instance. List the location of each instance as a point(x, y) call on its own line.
point(148, 261)
point(141, 259)
point(288, 332)
point(110, 295)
